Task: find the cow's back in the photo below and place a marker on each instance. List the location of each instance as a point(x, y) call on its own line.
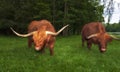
point(92, 28)
point(35, 25)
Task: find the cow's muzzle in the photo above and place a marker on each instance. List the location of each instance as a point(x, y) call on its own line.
point(102, 49)
point(37, 48)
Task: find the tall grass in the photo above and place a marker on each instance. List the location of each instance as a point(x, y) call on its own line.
point(69, 56)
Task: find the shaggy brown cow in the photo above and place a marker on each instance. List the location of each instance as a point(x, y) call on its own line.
point(42, 33)
point(95, 32)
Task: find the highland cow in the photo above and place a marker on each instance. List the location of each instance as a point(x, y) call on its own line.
point(42, 33)
point(95, 32)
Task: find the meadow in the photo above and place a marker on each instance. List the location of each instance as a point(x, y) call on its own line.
point(69, 56)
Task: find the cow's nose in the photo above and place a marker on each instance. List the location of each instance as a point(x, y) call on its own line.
point(37, 48)
point(103, 49)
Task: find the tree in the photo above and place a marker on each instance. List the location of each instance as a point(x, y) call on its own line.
point(109, 9)
point(76, 13)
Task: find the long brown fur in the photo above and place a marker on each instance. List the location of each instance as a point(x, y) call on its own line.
point(41, 26)
point(101, 39)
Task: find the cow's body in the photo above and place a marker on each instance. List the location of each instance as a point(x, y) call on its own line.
point(95, 32)
point(38, 25)
point(41, 33)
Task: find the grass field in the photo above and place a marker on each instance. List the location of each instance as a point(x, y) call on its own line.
point(69, 56)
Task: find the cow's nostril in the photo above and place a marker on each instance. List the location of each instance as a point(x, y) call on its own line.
point(103, 49)
point(37, 48)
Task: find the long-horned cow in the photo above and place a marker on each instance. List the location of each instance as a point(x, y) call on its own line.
point(95, 32)
point(42, 33)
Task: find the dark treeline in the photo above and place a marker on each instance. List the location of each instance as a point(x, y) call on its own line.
point(115, 27)
point(19, 13)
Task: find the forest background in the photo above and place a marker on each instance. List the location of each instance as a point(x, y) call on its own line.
point(19, 13)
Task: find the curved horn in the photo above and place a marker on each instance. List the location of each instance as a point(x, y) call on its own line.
point(93, 35)
point(21, 35)
point(52, 33)
point(114, 37)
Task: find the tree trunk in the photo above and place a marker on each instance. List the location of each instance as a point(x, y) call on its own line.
point(53, 11)
point(65, 32)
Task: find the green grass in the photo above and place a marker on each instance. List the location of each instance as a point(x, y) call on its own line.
point(69, 56)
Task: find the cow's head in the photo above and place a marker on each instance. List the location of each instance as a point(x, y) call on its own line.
point(102, 39)
point(40, 36)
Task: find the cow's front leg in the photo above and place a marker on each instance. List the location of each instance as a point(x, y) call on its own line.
point(51, 51)
point(89, 44)
point(30, 42)
point(51, 48)
point(83, 42)
point(43, 49)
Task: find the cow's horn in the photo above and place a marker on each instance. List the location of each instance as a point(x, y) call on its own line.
point(52, 33)
point(93, 35)
point(21, 35)
point(114, 37)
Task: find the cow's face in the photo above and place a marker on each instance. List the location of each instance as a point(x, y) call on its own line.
point(103, 39)
point(39, 38)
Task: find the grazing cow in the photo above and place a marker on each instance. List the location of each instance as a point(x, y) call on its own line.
point(95, 32)
point(42, 33)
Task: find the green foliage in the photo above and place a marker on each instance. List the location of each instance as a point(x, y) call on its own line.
point(18, 13)
point(69, 56)
point(113, 27)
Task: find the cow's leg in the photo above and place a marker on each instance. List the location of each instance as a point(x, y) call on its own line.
point(29, 42)
point(51, 48)
point(43, 49)
point(51, 51)
point(89, 44)
point(83, 40)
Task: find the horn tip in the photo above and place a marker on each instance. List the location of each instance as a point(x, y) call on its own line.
point(67, 25)
point(11, 28)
